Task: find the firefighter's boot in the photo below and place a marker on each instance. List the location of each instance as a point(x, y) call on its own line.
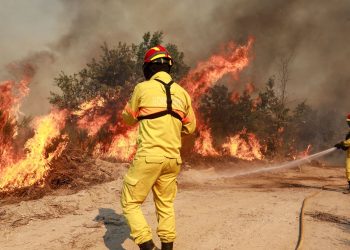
point(148, 245)
point(167, 246)
point(347, 191)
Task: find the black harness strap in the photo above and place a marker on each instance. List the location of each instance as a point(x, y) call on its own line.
point(169, 109)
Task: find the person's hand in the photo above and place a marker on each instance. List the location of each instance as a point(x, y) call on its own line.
point(341, 145)
point(338, 145)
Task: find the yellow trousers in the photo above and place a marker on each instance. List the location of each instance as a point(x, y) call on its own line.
point(348, 167)
point(144, 174)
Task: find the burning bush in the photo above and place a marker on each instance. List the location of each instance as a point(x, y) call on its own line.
point(282, 131)
point(97, 94)
point(252, 125)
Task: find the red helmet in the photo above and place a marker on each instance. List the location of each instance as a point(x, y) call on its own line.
point(348, 118)
point(158, 54)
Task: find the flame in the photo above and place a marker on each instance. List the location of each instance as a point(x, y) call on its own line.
point(34, 167)
point(87, 106)
point(11, 93)
point(7, 122)
point(123, 146)
point(234, 97)
point(249, 88)
point(207, 73)
point(204, 143)
point(244, 146)
point(231, 61)
point(306, 152)
point(89, 118)
point(96, 113)
point(23, 170)
point(303, 153)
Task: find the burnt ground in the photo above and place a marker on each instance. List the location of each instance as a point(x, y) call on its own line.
point(215, 210)
point(68, 175)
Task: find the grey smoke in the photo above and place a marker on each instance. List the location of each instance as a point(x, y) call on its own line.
point(315, 31)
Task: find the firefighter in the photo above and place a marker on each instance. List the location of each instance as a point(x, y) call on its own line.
point(164, 113)
point(345, 145)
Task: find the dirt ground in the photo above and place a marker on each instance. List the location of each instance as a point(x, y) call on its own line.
point(259, 211)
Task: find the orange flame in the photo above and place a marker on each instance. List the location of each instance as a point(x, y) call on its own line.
point(304, 153)
point(249, 88)
point(123, 146)
point(208, 72)
point(244, 146)
point(90, 120)
point(204, 143)
point(92, 116)
point(234, 97)
point(34, 167)
point(11, 93)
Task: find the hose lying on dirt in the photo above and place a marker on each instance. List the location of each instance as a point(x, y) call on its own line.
point(301, 220)
point(302, 213)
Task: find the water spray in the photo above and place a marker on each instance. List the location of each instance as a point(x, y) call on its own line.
point(193, 175)
point(289, 164)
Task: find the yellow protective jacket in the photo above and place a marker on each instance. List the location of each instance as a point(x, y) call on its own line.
point(160, 136)
point(347, 144)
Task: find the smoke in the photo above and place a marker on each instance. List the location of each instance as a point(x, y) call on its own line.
point(71, 32)
point(313, 31)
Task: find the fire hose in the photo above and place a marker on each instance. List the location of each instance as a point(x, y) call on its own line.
point(290, 165)
point(305, 201)
point(302, 214)
point(301, 220)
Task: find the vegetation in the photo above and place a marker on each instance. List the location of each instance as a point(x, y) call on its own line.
point(282, 127)
point(284, 130)
point(116, 71)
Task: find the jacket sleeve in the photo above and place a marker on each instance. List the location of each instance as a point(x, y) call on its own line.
point(131, 109)
point(189, 121)
point(346, 143)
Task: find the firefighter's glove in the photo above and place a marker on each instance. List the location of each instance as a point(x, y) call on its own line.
point(341, 145)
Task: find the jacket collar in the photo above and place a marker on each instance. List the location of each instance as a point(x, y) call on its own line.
point(162, 75)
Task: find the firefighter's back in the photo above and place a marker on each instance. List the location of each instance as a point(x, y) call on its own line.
point(160, 136)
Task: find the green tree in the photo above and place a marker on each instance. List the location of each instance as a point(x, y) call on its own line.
point(114, 73)
point(216, 111)
point(224, 116)
point(179, 68)
point(303, 126)
point(111, 76)
point(272, 118)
